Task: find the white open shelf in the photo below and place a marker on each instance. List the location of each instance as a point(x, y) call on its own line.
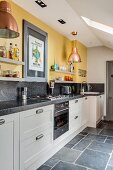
point(10, 61)
point(61, 71)
point(57, 81)
point(11, 79)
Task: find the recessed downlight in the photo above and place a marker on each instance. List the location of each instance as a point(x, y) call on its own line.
point(41, 3)
point(62, 21)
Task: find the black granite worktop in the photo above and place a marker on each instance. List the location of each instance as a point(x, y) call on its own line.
point(14, 106)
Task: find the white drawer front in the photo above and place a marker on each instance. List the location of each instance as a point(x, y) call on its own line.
point(74, 123)
point(34, 119)
point(74, 108)
point(34, 145)
point(73, 113)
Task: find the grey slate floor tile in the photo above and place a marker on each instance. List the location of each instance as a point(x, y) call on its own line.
point(95, 137)
point(67, 155)
point(51, 162)
point(93, 159)
point(109, 167)
point(92, 130)
point(109, 140)
point(44, 167)
point(101, 147)
point(111, 160)
point(107, 132)
point(83, 133)
point(82, 144)
point(74, 141)
point(68, 166)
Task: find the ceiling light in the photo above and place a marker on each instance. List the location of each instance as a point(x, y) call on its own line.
point(98, 25)
point(8, 24)
point(41, 4)
point(74, 56)
point(61, 21)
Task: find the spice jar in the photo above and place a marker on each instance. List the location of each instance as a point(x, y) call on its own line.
point(3, 51)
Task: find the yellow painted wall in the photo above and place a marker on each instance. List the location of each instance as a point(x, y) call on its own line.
point(59, 47)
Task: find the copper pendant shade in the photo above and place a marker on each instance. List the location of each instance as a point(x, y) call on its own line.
point(8, 24)
point(74, 56)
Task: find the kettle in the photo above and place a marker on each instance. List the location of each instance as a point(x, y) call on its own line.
point(66, 90)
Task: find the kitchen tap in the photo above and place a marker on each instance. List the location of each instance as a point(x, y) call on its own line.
point(82, 87)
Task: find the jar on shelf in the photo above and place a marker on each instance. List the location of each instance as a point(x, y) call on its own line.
point(8, 73)
point(3, 51)
point(16, 74)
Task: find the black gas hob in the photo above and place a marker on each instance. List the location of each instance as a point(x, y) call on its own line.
point(48, 97)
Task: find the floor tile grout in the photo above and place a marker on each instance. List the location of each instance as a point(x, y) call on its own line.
point(98, 151)
point(82, 152)
point(108, 160)
point(55, 164)
point(105, 139)
point(78, 142)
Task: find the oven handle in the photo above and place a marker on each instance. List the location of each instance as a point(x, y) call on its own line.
point(62, 110)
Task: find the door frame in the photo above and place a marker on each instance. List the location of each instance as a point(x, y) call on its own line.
point(107, 88)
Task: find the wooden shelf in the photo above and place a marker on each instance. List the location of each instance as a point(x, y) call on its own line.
point(65, 72)
point(57, 81)
point(11, 79)
point(10, 61)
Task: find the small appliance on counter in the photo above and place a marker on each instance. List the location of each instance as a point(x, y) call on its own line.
point(66, 90)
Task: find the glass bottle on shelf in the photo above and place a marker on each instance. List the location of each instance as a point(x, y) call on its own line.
point(11, 52)
point(16, 53)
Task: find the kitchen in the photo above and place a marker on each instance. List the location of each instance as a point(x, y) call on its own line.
point(63, 125)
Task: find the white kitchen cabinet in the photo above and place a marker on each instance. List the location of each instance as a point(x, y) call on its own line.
point(102, 106)
point(36, 134)
point(96, 110)
point(85, 111)
point(75, 107)
point(9, 142)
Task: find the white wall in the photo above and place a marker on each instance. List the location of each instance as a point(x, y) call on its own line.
point(97, 57)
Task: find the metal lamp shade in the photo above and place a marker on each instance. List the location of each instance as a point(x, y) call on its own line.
point(8, 24)
point(74, 56)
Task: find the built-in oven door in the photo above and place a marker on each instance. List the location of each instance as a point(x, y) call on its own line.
point(61, 122)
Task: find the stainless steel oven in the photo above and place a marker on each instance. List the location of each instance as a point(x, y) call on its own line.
point(61, 119)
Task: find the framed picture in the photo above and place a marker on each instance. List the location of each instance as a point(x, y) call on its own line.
point(35, 52)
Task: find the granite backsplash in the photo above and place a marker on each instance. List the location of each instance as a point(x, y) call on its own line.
point(8, 89)
point(95, 87)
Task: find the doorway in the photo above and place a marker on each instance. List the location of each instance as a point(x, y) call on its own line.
point(109, 90)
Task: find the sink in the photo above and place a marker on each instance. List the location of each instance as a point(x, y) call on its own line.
point(89, 92)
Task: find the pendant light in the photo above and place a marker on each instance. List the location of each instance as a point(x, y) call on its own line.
point(74, 56)
point(8, 24)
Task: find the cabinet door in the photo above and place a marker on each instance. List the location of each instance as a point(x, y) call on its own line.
point(85, 111)
point(8, 153)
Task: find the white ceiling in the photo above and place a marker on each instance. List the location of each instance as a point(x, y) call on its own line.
point(71, 11)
